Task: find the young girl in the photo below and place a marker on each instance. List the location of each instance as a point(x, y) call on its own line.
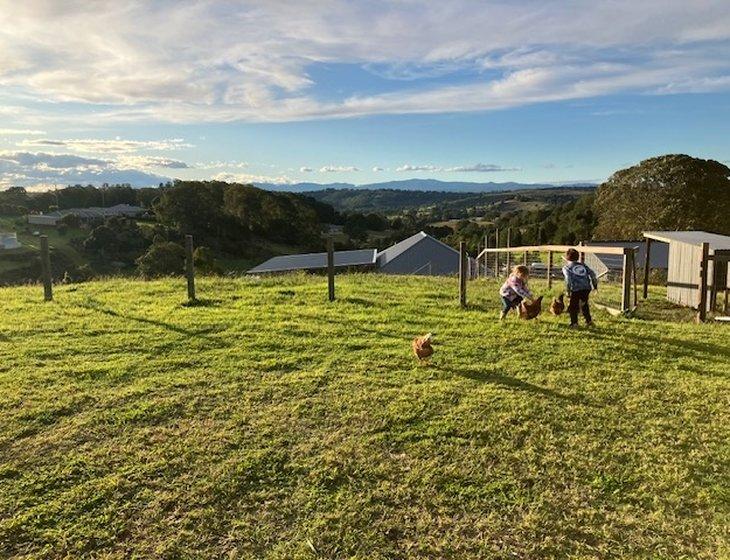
point(515, 289)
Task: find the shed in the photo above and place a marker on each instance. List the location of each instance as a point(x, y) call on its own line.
point(361, 258)
point(684, 264)
point(420, 254)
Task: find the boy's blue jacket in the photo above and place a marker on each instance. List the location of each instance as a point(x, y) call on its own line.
point(578, 277)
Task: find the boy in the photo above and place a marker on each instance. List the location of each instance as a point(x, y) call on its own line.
point(514, 290)
point(579, 281)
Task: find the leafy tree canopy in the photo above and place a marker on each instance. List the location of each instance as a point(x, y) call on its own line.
point(671, 192)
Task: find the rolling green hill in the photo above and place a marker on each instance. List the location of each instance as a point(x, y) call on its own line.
point(268, 423)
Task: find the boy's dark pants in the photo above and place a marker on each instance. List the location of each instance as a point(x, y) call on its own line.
point(579, 301)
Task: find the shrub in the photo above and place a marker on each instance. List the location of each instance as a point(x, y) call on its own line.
point(205, 261)
point(162, 259)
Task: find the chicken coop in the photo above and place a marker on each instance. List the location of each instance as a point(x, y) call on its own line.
point(697, 273)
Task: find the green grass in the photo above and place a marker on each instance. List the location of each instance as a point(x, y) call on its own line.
point(268, 423)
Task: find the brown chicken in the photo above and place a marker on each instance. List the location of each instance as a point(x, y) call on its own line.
point(532, 309)
point(558, 305)
point(422, 346)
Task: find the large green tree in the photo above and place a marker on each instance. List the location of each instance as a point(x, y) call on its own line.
point(671, 192)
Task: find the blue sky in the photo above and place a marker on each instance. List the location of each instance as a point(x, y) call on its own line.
point(528, 91)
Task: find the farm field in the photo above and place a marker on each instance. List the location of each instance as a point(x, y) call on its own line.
point(266, 422)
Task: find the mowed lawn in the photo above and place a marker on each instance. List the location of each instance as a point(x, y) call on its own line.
point(269, 423)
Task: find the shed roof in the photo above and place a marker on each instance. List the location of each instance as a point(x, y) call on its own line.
point(394, 251)
point(716, 241)
point(310, 261)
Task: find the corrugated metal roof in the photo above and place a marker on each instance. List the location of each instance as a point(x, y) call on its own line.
point(394, 251)
point(716, 241)
point(310, 261)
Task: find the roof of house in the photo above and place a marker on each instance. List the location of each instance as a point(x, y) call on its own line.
point(310, 261)
point(394, 251)
point(716, 241)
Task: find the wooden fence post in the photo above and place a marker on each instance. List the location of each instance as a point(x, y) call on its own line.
point(550, 270)
point(190, 267)
point(46, 269)
point(330, 269)
point(702, 295)
point(486, 255)
point(647, 265)
point(626, 282)
point(582, 255)
point(496, 255)
point(462, 273)
point(509, 255)
point(524, 259)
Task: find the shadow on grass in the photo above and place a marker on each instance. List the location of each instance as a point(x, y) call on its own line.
point(203, 302)
point(495, 378)
point(95, 306)
point(358, 301)
point(641, 347)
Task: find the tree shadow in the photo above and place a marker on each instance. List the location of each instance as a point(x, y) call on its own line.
point(495, 378)
point(96, 306)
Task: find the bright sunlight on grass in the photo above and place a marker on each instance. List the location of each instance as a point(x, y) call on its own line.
point(267, 423)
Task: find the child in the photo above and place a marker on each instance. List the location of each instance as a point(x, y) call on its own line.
point(579, 281)
point(514, 290)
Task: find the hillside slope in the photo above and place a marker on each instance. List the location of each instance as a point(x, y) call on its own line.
point(267, 423)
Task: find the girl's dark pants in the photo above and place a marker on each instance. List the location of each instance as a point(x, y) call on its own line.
point(579, 301)
point(508, 304)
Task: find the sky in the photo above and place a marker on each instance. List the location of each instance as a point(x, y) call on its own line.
point(361, 91)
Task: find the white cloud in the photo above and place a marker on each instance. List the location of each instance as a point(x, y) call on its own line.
point(221, 61)
point(408, 167)
point(305, 169)
point(222, 165)
point(476, 168)
point(117, 145)
point(255, 179)
point(40, 169)
point(338, 169)
point(377, 169)
point(481, 168)
point(20, 132)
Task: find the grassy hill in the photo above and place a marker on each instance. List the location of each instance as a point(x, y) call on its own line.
point(268, 423)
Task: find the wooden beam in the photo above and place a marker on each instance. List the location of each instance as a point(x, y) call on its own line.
point(593, 249)
point(462, 273)
point(46, 269)
point(647, 264)
point(550, 270)
point(190, 267)
point(715, 282)
point(581, 254)
point(702, 295)
point(330, 269)
point(626, 284)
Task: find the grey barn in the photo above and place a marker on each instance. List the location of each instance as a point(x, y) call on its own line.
point(419, 254)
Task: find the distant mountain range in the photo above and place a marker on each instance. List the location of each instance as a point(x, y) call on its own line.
point(421, 185)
